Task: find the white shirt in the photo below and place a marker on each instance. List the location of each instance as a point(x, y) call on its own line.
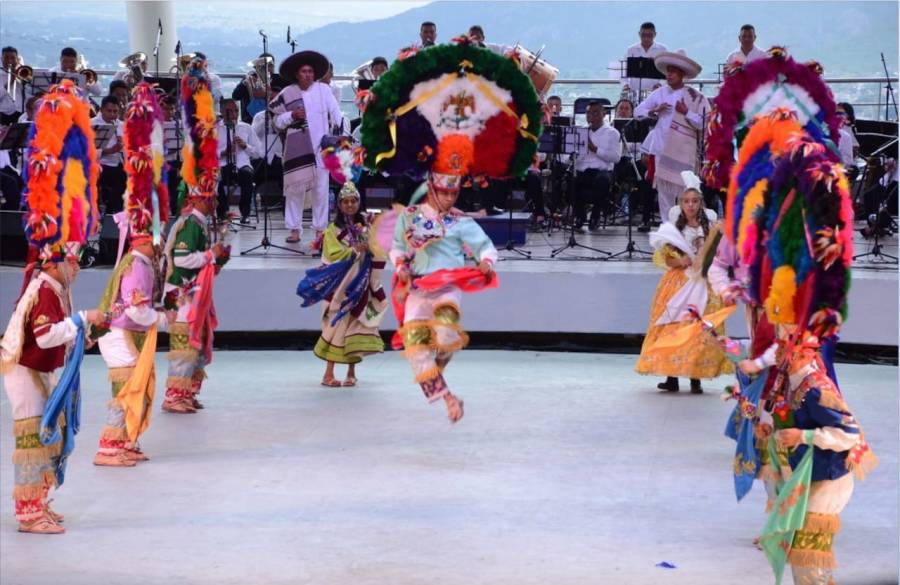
point(242, 156)
point(606, 139)
point(110, 160)
point(637, 50)
point(845, 145)
point(322, 112)
point(95, 89)
point(14, 102)
point(275, 146)
point(665, 94)
point(738, 56)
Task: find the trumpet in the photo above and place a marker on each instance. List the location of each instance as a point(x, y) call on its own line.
point(134, 62)
point(90, 76)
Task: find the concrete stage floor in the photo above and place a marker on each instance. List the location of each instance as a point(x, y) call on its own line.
point(567, 469)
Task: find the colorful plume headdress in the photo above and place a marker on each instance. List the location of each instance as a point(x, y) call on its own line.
point(147, 193)
point(61, 175)
point(344, 164)
point(790, 215)
point(756, 89)
point(455, 109)
point(200, 155)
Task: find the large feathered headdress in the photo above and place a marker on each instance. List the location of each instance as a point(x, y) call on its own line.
point(758, 88)
point(61, 175)
point(454, 110)
point(200, 155)
point(147, 193)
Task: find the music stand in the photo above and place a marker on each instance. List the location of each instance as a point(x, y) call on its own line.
point(102, 134)
point(641, 68)
point(266, 243)
point(16, 136)
point(639, 134)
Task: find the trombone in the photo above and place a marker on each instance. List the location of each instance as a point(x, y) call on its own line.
point(20, 73)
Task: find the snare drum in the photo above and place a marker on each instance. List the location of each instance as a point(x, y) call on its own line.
point(542, 74)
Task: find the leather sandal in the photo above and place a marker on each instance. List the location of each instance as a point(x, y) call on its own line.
point(331, 382)
point(118, 460)
point(43, 525)
point(349, 382)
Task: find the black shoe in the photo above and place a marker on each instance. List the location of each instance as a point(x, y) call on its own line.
point(696, 388)
point(245, 220)
point(644, 228)
point(670, 385)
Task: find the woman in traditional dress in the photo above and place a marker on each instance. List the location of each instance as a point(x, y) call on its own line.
point(678, 243)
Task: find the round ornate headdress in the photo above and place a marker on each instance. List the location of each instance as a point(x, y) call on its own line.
point(455, 110)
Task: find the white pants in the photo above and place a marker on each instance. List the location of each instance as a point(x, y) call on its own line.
point(117, 349)
point(668, 194)
point(294, 203)
point(28, 390)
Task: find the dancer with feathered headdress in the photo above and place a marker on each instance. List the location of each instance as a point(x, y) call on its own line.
point(192, 260)
point(134, 291)
point(449, 112)
point(43, 333)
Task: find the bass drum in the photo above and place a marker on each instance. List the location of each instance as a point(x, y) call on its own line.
point(541, 73)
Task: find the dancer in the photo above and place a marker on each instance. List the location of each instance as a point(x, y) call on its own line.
point(678, 243)
point(61, 174)
point(349, 283)
point(449, 112)
point(192, 260)
point(134, 290)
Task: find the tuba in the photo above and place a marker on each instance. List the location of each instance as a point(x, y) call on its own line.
point(364, 71)
point(256, 81)
point(181, 67)
point(133, 63)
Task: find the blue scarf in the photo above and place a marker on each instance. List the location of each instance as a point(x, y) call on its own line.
point(65, 398)
point(747, 461)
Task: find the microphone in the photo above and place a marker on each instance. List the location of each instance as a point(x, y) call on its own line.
point(289, 34)
point(262, 33)
point(159, 26)
point(178, 48)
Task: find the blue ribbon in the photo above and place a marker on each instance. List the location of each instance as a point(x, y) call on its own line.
point(322, 281)
point(740, 428)
point(65, 398)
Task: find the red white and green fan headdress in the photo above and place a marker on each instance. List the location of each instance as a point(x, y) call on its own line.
point(454, 110)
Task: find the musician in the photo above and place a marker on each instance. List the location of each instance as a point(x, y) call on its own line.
point(747, 52)
point(305, 112)
point(378, 66)
point(237, 145)
point(428, 34)
point(848, 144)
point(632, 131)
point(112, 173)
point(172, 144)
point(251, 91)
point(120, 90)
point(673, 104)
point(476, 34)
point(594, 169)
point(68, 63)
point(554, 103)
point(273, 148)
point(12, 105)
point(647, 48)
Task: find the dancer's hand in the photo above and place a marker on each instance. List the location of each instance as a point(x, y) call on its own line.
point(360, 247)
point(93, 316)
point(218, 250)
point(486, 268)
point(789, 438)
point(749, 367)
point(680, 107)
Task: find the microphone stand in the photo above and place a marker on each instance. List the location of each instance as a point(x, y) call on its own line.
point(888, 91)
point(156, 46)
point(266, 243)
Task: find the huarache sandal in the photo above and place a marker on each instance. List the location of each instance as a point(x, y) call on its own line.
point(331, 382)
point(349, 382)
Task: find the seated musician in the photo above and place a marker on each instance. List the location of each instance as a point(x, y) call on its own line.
point(12, 103)
point(237, 145)
point(633, 131)
point(269, 166)
point(68, 62)
point(120, 90)
point(112, 173)
point(594, 168)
